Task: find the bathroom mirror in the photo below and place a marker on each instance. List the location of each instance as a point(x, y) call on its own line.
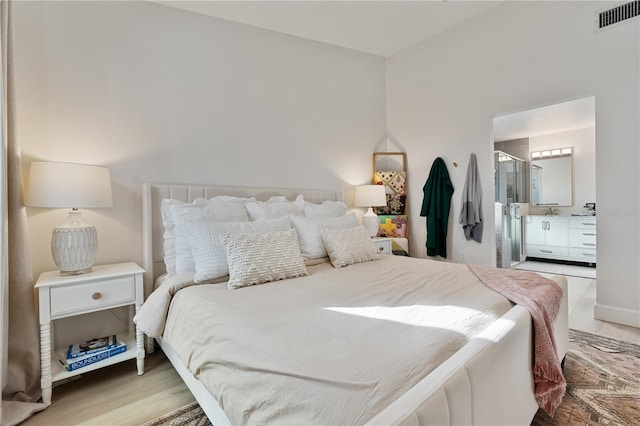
point(551, 178)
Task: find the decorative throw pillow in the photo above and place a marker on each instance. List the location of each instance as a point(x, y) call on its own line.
point(261, 258)
point(175, 213)
point(274, 207)
point(325, 210)
point(308, 230)
point(205, 239)
point(349, 246)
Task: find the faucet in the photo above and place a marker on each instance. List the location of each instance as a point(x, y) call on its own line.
point(549, 211)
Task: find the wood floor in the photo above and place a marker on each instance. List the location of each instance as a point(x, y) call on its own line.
point(118, 396)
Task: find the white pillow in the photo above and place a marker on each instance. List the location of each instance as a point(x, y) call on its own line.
point(349, 246)
point(205, 239)
point(275, 207)
point(308, 229)
point(177, 252)
point(325, 210)
point(261, 258)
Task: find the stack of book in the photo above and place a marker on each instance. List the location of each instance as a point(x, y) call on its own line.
point(82, 354)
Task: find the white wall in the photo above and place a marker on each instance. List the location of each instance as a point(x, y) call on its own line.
point(583, 142)
point(443, 93)
point(158, 94)
point(162, 95)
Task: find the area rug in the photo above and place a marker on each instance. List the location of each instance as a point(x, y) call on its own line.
point(603, 387)
point(189, 415)
point(603, 383)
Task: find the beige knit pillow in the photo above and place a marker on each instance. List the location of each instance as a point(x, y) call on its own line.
point(348, 246)
point(261, 258)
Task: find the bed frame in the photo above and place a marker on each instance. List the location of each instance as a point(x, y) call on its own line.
point(488, 381)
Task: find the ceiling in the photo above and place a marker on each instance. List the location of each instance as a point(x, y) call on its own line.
point(378, 27)
point(561, 117)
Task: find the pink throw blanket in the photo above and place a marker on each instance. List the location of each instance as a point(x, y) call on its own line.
point(541, 297)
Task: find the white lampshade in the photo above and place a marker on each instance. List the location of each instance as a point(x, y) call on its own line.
point(69, 185)
point(370, 196)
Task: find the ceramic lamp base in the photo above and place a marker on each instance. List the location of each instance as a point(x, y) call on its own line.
point(371, 222)
point(74, 246)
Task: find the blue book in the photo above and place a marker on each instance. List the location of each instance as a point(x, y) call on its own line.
point(91, 346)
point(74, 364)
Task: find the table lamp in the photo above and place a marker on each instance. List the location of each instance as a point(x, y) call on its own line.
point(68, 185)
point(370, 196)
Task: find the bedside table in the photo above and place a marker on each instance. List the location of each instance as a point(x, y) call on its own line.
point(61, 296)
point(382, 245)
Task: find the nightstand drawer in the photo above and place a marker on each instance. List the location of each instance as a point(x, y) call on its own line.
point(382, 245)
point(89, 297)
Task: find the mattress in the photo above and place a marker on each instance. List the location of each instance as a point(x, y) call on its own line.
point(335, 347)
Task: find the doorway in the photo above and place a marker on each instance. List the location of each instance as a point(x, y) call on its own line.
point(540, 131)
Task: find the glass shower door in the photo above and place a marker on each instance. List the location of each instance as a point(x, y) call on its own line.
point(511, 176)
point(510, 179)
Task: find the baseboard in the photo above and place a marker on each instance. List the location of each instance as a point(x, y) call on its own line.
point(617, 315)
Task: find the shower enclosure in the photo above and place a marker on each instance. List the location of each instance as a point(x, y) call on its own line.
point(511, 177)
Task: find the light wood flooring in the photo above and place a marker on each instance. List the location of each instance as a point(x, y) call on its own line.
point(118, 396)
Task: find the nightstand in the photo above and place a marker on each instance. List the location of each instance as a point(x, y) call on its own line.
point(61, 296)
point(382, 245)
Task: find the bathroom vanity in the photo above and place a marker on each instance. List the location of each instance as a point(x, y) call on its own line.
point(561, 238)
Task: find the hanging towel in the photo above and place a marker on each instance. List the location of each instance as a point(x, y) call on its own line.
point(471, 214)
point(435, 206)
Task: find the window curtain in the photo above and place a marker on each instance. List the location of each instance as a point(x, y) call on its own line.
point(20, 354)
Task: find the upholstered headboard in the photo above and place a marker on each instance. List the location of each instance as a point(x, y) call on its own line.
point(153, 230)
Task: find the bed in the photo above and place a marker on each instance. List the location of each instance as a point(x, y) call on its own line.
point(481, 372)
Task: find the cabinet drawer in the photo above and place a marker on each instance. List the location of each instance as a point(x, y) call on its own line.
point(89, 297)
point(583, 223)
point(546, 251)
point(382, 246)
point(583, 254)
point(582, 238)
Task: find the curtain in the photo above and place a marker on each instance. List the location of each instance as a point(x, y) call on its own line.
point(20, 354)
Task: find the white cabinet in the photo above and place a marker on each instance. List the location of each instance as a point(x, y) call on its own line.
point(582, 239)
point(62, 296)
point(547, 236)
point(561, 237)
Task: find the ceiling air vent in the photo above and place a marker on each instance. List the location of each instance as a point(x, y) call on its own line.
point(606, 18)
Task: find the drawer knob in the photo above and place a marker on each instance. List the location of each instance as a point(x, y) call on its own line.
point(97, 295)
point(380, 248)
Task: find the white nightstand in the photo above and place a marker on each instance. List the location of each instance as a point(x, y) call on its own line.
point(105, 287)
point(382, 245)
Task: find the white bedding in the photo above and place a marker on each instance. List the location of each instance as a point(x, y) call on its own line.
point(294, 351)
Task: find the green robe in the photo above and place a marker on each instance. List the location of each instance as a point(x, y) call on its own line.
point(435, 206)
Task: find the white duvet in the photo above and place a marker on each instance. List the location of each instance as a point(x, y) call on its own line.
point(335, 347)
